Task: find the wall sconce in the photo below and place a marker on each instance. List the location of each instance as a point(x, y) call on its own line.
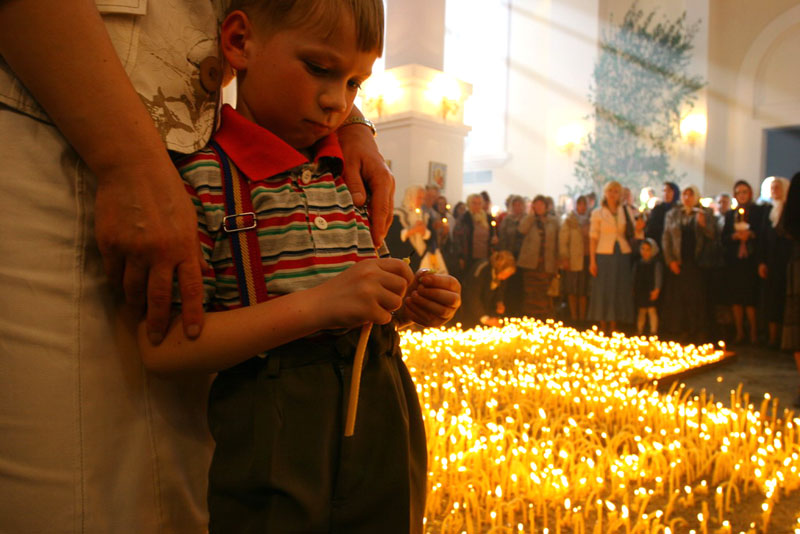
point(569, 136)
point(380, 93)
point(444, 92)
point(694, 128)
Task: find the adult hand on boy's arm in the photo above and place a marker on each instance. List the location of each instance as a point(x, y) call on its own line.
point(431, 300)
point(145, 225)
point(364, 166)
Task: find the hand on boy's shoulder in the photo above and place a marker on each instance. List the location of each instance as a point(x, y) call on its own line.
point(365, 171)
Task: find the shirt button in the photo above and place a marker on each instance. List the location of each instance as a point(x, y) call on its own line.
point(320, 222)
point(306, 176)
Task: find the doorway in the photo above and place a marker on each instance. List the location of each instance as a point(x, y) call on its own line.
point(782, 151)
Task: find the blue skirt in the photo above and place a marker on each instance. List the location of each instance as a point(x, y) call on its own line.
point(612, 289)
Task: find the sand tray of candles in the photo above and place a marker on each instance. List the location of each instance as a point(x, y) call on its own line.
point(534, 427)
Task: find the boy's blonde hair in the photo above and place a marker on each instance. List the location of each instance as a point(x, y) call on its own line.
point(275, 15)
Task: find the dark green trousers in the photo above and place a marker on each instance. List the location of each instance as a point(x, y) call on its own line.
point(282, 463)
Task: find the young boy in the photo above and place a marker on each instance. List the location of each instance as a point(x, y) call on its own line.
point(276, 408)
point(647, 278)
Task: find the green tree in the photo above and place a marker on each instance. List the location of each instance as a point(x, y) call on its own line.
point(641, 86)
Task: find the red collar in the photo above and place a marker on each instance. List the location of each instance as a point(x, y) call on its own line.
point(259, 153)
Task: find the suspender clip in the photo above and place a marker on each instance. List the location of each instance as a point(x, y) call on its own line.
point(231, 223)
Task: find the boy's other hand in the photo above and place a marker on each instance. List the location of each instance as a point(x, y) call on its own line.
point(432, 299)
point(367, 292)
point(364, 168)
point(146, 231)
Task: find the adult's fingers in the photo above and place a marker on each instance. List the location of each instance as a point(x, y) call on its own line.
point(351, 173)
point(134, 284)
point(159, 301)
point(190, 283)
point(381, 206)
point(114, 265)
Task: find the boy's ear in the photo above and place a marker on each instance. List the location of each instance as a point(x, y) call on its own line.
point(236, 32)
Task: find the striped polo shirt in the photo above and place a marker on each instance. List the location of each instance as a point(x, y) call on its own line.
point(308, 228)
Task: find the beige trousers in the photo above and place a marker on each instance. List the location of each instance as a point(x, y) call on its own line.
point(89, 442)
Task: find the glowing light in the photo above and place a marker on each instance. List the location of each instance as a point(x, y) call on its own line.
point(694, 127)
point(509, 443)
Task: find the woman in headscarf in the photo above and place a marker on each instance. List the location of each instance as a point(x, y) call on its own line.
point(775, 251)
point(611, 231)
point(688, 229)
point(573, 254)
point(655, 223)
point(740, 235)
point(537, 258)
point(789, 225)
point(474, 234)
point(409, 234)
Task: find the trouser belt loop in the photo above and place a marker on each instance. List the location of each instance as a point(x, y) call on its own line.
point(273, 365)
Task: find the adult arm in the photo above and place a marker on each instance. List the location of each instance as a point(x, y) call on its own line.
point(145, 224)
point(365, 168)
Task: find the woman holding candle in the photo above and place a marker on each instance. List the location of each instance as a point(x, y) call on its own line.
point(611, 231)
point(409, 235)
point(537, 258)
point(775, 252)
point(688, 229)
point(743, 228)
point(789, 225)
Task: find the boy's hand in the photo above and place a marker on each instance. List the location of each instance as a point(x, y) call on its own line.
point(367, 292)
point(432, 299)
point(654, 294)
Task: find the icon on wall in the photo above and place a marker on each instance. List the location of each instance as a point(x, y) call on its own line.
point(437, 174)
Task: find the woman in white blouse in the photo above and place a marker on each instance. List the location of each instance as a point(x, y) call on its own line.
point(611, 231)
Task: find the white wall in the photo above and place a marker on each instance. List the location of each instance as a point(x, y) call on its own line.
point(552, 51)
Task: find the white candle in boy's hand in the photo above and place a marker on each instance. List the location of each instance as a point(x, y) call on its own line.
point(355, 380)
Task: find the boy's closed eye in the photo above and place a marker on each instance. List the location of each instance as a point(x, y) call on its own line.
point(317, 69)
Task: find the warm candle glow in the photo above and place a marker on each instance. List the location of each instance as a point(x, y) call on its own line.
point(543, 426)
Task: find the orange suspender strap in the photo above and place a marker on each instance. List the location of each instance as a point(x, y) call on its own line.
point(241, 225)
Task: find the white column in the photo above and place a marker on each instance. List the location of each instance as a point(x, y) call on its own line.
point(415, 33)
point(414, 127)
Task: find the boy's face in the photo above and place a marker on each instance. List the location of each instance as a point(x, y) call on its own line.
point(646, 251)
point(300, 83)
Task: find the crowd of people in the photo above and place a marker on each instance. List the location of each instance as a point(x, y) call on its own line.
point(679, 268)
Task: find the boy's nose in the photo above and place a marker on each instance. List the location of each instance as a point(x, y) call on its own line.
point(334, 98)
